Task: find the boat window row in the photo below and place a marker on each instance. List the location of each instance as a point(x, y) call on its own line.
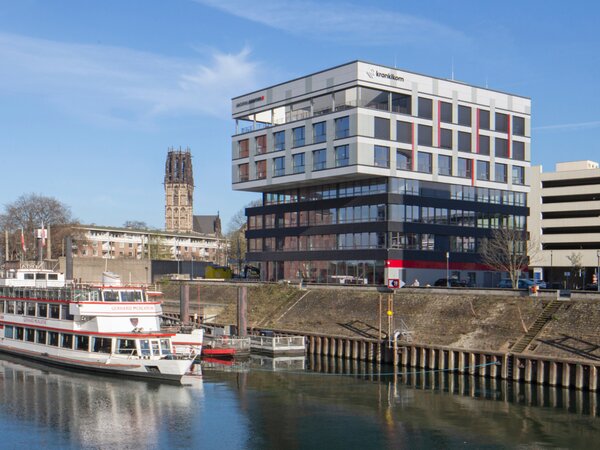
point(36, 309)
point(95, 344)
point(77, 295)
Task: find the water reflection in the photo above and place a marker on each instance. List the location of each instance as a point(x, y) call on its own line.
point(86, 410)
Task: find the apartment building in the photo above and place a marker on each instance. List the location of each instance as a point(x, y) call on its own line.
point(369, 173)
point(565, 221)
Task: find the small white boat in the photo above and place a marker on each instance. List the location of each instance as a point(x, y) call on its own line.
point(110, 329)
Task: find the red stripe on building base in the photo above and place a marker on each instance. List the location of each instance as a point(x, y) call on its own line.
point(412, 264)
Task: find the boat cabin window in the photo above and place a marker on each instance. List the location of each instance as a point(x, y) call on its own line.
point(30, 335)
point(19, 308)
point(28, 276)
point(53, 276)
point(145, 347)
point(30, 308)
point(40, 276)
point(10, 307)
point(64, 313)
point(9, 331)
point(165, 346)
point(54, 311)
point(2, 306)
point(82, 343)
point(41, 336)
point(101, 345)
point(126, 346)
point(111, 296)
point(155, 347)
point(66, 341)
point(131, 296)
point(19, 333)
point(42, 310)
point(53, 338)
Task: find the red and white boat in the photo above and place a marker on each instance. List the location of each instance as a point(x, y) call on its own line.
point(108, 329)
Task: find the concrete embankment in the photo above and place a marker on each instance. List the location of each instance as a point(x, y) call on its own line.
point(491, 321)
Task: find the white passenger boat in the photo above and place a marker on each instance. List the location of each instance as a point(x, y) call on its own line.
point(108, 329)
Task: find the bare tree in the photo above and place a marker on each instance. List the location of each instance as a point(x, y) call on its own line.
point(28, 213)
point(236, 235)
point(136, 225)
point(576, 265)
point(508, 250)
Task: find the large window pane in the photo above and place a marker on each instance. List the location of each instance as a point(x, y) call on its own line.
point(278, 166)
point(464, 168)
point(403, 160)
point(381, 156)
point(298, 162)
point(500, 173)
point(319, 132)
point(382, 128)
point(373, 98)
point(518, 126)
point(483, 170)
point(501, 122)
point(298, 136)
point(342, 127)
point(484, 145)
point(424, 162)
point(319, 159)
point(518, 150)
point(425, 135)
point(501, 148)
point(484, 119)
point(446, 112)
point(445, 138)
point(279, 140)
point(425, 108)
point(444, 165)
point(518, 175)
point(464, 141)
point(401, 103)
point(404, 132)
point(464, 115)
point(342, 155)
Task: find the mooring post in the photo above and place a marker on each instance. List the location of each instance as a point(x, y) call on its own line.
point(242, 311)
point(184, 303)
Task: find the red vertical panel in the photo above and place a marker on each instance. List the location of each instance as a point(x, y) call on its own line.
point(472, 172)
point(414, 153)
point(477, 132)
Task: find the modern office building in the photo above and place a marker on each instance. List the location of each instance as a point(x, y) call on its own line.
point(565, 220)
point(369, 173)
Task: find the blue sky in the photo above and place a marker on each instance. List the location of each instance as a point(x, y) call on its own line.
point(92, 93)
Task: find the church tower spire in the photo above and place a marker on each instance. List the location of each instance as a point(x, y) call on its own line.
point(179, 191)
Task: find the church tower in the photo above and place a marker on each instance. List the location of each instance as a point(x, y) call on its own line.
point(179, 191)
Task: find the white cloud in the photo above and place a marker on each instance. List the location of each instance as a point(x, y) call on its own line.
point(569, 126)
point(339, 21)
point(117, 85)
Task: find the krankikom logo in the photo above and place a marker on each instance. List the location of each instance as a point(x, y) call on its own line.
point(372, 73)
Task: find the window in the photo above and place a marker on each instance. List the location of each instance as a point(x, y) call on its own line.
point(101, 345)
point(342, 155)
point(30, 311)
point(372, 98)
point(243, 172)
point(424, 162)
point(446, 112)
point(464, 115)
point(243, 148)
point(41, 337)
point(319, 132)
point(518, 175)
point(82, 343)
point(278, 166)
point(319, 159)
point(464, 142)
point(403, 160)
point(298, 162)
point(342, 127)
point(518, 152)
point(53, 338)
point(425, 108)
point(261, 169)
point(261, 144)
point(66, 340)
point(501, 148)
point(279, 140)
point(401, 103)
point(382, 128)
point(298, 137)
point(425, 135)
point(404, 132)
point(55, 311)
point(500, 173)
point(464, 167)
point(501, 122)
point(381, 156)
point(483, 170)
point(484, 145)
point(42, 309)
point(444, 165)
point(484, 119)
point(445, 138)
point(322, 104)
point(518, 126)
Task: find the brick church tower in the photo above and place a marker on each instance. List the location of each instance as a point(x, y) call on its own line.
point(179, 191)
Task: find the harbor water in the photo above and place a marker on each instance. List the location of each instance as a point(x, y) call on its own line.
point(288, 404)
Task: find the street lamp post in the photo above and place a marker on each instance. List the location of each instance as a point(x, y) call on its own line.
point(551, 265)
point(447, 269)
